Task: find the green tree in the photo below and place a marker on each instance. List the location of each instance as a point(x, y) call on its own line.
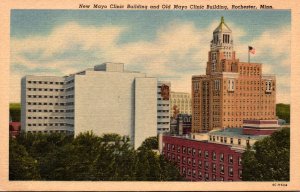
point(15, 111)
point(283, 111)
point(150, 143)
point(21, 165)
point(110, 157)
point(269, 159)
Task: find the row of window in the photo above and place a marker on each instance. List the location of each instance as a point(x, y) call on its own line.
point(40, 103)
point(45, 82)
point(46, 110)
point(70, 89)
point(29, 117)
point(50, 131)
point(162, 123)
point(45, 124)
point(45, 96)
point(159, 117)
point(192, 151)
point(44, 89)
point(163, 111)
point(205, 176)
point(69, 82)
point(224, 139)
point(163, 105)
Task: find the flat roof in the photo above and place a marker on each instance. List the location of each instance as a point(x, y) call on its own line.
point(235, 132)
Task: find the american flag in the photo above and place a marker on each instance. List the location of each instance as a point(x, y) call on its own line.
point(251, 49)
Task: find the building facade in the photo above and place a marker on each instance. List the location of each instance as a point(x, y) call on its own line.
point(163, 106)
point(103, 99)
point(231, 91)
point(203, 161)
point(181, 124)
point(212, 156)
point(180, 103)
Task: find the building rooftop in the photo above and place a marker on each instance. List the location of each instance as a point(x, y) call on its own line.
point(222, 26)
point(235, 132)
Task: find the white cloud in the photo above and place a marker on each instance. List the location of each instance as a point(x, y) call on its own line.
point(179, 51)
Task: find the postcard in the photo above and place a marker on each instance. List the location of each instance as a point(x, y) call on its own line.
point(149, 95)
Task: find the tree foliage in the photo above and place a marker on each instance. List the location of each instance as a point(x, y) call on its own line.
point(150, 143)
point(86, 157)
point(269, 159)
point(283, 111)
point(15, 111)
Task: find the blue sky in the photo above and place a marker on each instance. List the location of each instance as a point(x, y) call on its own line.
point(171, 45)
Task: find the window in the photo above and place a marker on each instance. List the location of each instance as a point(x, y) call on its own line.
point(183, 149)
point(268, 86)
point(214, 156)
point(230, 171)
point(240, 160)
point(231, 140)
point(199, 164)
point(189, 161)
point(206, 154)
point(222, 157)
point(206, 177)
point(184, 160)
point(230, 159)
point(214, 177)
point(240, 173)
point(194, 162)
point(178, 159)
point(239, 141)
point(194, 173)
point(217, 85)
point(222, 169)
point(247, 142)
point(189, 172)
point(206, 165)
point(173, 157)
point(231, 85)
point(214, 167)
point(178, 149)
point(168, 147)
point(189, 150)
point(194, 152)
point(199, 174)
point(199, 153)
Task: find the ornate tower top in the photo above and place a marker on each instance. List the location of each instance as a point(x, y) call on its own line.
point(222, 37)
point(223, 27)
point(221, 47)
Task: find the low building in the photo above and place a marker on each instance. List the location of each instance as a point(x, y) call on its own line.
point(212, 156)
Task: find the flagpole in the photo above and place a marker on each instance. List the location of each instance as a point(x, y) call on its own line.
point(248, 55)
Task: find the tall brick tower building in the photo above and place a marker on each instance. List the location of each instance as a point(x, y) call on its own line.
point(231, 91)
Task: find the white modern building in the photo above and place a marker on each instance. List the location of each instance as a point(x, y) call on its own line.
point(182, 101)
point(163, 106)
point(103, 99)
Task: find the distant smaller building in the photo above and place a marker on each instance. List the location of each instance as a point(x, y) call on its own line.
point(163, 106)
point(14, 128)
point(180, 101)
point(181, 124)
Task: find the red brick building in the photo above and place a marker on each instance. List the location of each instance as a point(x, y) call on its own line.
point(231, 91)
point(203, 161)
point(14, 128)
